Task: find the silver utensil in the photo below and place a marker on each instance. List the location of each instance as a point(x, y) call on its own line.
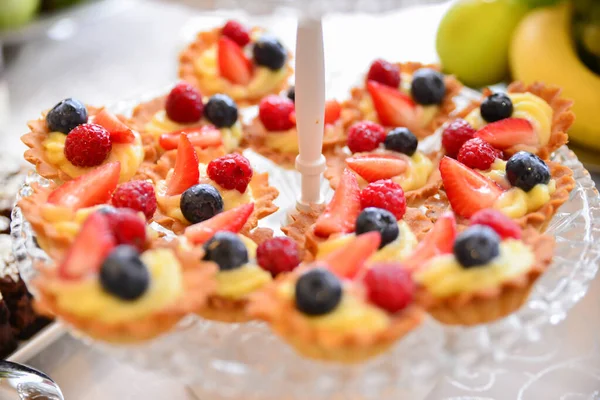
point(19, 382)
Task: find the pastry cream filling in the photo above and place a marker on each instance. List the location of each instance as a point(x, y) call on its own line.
point(397, 250)
point(283, 141)
point(87, 298)
point(66, 221)
point(130, 155)
point(443, 276)
point(160, 123)
point(264, 80)
point(527, 106)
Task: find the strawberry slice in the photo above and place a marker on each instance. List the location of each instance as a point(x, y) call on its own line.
point(233, 64)
point(93, 243)
point(468, 191)
point(293, 117)
point(393, 107)
point(333, 110)
point(95, 187)
point(185, 173)
point(341, 213)
point(119, 131)
point(439, 240)
point(508, 132)
point(203, 137)
point(348, 260)
point(230, 221)
point(373, 167)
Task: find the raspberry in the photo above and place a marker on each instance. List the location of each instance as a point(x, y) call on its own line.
point(278, 255)
point(389, 286)
point(137, 195)
point(127, 226)
point(365, 136)
point(455, 135)
point(87, 145)
point(232, 171)
point(384, 72)
point(236, 32)
point(184, 104)
point(275, 112)
point(503, 225)
point(385, 194)
point(477, 153)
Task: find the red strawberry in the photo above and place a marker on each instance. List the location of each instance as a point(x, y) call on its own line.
point(393, 107)
point(185, 173)
point(503, 225)
point(439, 240)
point(389, 286)
point(119, 131)
point(341, 213)
point(93, 243)
point(95, 187)
point(230, 221)
point(468, 191)
point(233, 63)
point(203, 137)
point(333, 110)
point(373, 167)
point(348, 260)
point(508, 132)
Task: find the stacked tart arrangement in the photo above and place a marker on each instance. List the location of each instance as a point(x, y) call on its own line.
point(436, 212)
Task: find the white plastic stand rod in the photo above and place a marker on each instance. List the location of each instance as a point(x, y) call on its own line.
point(310, 108)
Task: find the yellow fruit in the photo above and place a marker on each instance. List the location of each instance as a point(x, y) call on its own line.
point(542, 50)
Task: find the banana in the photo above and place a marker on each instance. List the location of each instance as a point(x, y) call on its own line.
point(542, 50)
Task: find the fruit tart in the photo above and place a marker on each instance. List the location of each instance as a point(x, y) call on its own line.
point(189, 192)
point(481, 274)
point(372, 154)
point(412, 95)
point(212, 124)
point(273, 132)
point(71, 139)
point(120, 290)
point(533, 118)
point(339, 310)
point(218, 62)
point(380, 206)
point(525, 188)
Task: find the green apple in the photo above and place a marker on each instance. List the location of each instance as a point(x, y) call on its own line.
point(14, 13)
point(474, 36)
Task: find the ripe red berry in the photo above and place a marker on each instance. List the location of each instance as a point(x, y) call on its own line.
point(127, 227)
point(87, 145)
point(232, 171)
point(385, 73)
point(275, 113)
point(477, 153)
point(236, 32)
point(385, 194)
point(455, 135)
point(137, 195)
point(184, 104)
point(277, 255)
point(502, 224)
point(389, 286)
point(365, 136)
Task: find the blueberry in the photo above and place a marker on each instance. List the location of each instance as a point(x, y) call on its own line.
point(525, 170)
point(291, 93)
point(428, 87)
point(66, 115)
point(200, 202)
point(318, 292)
point(476, 246)
point(380, 220)
point(401, 140)
point(227, 250)
point(123, 274)
point(269, 52)
point(221, 111)
point(496, 107)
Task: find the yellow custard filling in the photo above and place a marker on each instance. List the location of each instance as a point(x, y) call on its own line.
point(264, 80)
point(130, 155)
point(87, 299)
point(527, 106)
point(66, 221)
point(416, 175)
point(283, 141)
point(443, 276)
